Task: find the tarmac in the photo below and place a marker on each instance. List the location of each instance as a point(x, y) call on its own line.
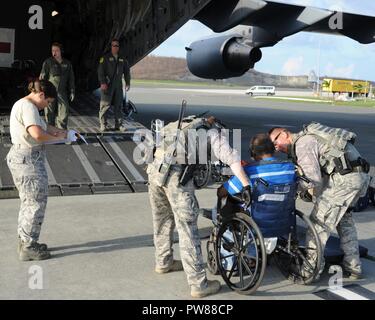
point(102, 244)
point(102, 248)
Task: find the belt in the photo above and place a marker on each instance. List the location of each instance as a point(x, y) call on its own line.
point(28, 148)
point(175, 167)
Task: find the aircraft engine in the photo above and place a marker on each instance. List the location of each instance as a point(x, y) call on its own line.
point(221, 57)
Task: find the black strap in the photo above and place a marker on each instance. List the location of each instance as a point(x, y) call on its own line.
point(292, 153)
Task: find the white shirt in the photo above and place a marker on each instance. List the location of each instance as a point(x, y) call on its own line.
point(23, 115)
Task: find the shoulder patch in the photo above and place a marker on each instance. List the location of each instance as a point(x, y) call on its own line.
point(101, 60)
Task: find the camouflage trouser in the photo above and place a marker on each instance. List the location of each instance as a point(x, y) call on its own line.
point(176, 206)
point(115, 97)
point(57, 112)
point(30, 178)
point(331, 211)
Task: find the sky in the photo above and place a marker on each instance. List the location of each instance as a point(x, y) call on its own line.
point(299, 54)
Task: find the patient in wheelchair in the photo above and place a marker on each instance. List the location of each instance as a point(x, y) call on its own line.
point(273, 184)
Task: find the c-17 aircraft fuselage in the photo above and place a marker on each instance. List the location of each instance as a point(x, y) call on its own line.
point(86, 27)
point(254, 24)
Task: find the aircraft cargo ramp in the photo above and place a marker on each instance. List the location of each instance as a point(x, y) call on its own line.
point(105, 165)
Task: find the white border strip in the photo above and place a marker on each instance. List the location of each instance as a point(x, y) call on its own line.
point(125, 160)
point(51, 177)
point(86, 164)
point(231, 184)
point(347, 294)
point(271, 174)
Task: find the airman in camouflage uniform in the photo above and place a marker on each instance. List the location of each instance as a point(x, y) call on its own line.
point(334, 193)
point(111, 68)
point(175, 205)
point(59, 71)
point(26, 162)
point(27, 166)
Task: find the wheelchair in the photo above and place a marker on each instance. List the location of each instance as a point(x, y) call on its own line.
point(128, 108)
point(236, 247)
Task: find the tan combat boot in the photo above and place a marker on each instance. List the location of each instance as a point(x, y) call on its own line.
point(32, 251)
point(175, 266)
point(42, 246)
point(353, 275)
point(213, 286)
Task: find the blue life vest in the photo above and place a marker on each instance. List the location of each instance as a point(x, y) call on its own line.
point(272, 206)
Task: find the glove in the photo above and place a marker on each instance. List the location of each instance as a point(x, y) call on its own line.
point(71, 96)
point(246, 196)
point(306, 196)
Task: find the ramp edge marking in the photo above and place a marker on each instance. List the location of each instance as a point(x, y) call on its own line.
point(99, 139)
point(51, 177)
point(347, 294)
point(133, 170)
point(86, 164)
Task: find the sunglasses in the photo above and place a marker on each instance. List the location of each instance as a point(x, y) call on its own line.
point(277, 137)
point(115, 46)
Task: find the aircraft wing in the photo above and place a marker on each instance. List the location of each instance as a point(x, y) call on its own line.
point(254, 24)
point(281, 20)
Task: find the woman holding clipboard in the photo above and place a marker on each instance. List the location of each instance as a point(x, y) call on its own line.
point(26, 161)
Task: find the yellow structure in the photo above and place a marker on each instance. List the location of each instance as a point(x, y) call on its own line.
point(349, 86)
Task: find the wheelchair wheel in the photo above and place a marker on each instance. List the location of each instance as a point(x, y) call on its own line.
point(296, 261)
point(240, 253)
point(372, 195)
point(202, 175)
point(128, 109)
point(211, 254)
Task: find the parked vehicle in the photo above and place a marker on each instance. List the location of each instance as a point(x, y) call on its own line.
point(261, 90)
